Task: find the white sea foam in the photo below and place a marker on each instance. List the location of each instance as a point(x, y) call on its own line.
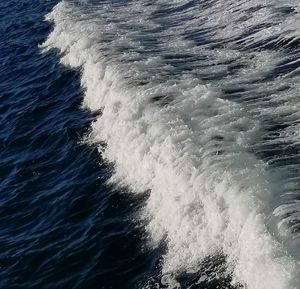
point(209, 192)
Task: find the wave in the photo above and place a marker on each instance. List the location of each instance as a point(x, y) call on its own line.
point(193, 111)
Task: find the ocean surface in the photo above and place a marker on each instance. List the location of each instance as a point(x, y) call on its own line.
point(150, 144)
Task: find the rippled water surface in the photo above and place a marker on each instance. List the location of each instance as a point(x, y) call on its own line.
point(61, 227)
point(149, 144)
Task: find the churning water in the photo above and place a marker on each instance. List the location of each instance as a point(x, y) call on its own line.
point(194, 108)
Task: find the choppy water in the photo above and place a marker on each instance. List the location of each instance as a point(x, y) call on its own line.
point(150, 144)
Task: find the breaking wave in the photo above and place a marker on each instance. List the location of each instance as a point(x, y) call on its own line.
point(199, 107)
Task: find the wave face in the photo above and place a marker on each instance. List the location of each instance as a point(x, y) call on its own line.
point(199, 106)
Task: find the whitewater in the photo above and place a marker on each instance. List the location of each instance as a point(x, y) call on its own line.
point(199, 110)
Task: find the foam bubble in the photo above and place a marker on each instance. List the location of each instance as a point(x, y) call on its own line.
point(209, 191)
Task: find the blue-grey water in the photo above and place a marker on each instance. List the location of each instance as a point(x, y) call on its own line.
point(149, 144)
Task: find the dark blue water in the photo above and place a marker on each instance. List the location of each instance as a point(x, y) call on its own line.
point(61, 226)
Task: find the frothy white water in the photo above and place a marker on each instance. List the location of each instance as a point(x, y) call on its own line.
point(209, 192)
